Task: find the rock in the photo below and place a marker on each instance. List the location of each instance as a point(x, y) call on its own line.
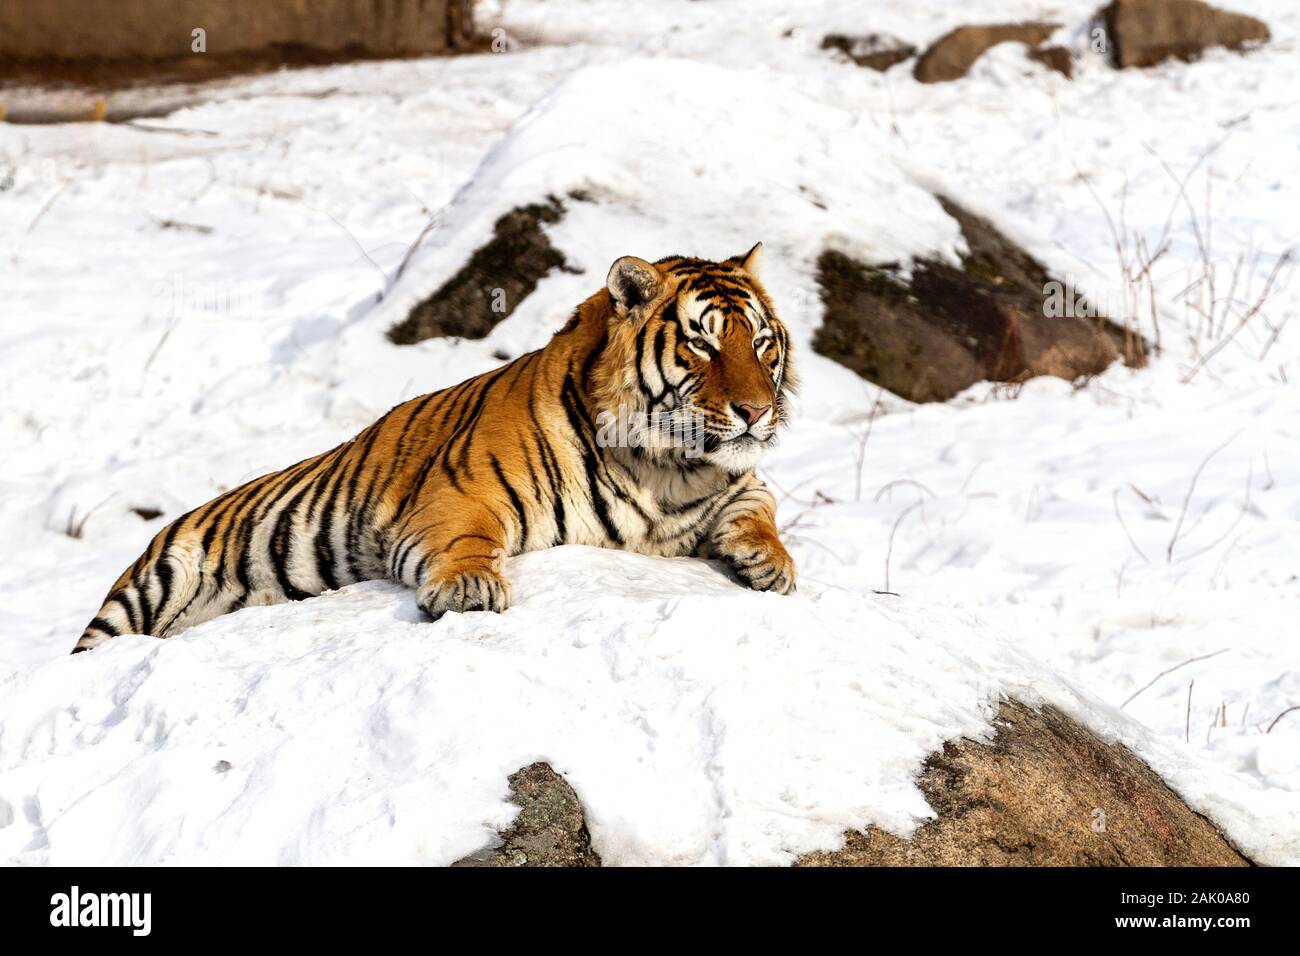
point(550, 829)
point(1146, 32)
point(1056, 58)
point(58, 65)
point(164, 29)
point(954, 53)
point(487, 289)
point(932, 334)
point(874, 50)
point(1045, 791)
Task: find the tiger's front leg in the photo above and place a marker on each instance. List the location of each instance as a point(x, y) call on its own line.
point(745, 536)
point(454, 563)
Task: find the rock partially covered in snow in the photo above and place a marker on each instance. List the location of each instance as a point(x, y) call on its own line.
point(932, 331)
point(952, 55)
point(1044, 792)
point(1147, 32)
point(550, 830)
point(875, 51)
point(499, 275)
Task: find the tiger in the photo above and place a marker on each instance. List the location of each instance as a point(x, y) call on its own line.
point(530, 455)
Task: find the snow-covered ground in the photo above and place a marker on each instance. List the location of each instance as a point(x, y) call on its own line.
point(187, 306)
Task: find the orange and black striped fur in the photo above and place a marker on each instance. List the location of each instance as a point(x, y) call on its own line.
point(437, 492)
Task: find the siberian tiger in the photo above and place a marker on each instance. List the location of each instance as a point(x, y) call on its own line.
point(533, 454)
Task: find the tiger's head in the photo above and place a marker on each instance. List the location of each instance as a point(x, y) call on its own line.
point(695, 346)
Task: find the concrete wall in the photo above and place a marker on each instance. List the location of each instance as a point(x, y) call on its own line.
point(116, 29)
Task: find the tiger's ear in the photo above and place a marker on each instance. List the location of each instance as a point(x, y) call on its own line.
point(632, 282)
point(750, 260)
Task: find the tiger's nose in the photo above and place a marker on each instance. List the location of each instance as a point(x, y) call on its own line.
point(750, 413)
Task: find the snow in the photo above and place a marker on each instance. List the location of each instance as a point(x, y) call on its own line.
point(599, 135)
point(152, 366)
point(701, 723)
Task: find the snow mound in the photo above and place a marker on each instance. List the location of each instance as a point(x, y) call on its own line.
point(700, 723)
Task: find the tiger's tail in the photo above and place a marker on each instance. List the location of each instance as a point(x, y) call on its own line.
point(151, 597)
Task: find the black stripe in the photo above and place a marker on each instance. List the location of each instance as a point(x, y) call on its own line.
point(577, 413)
point(352, 533)
point(121, 598)
point(324, 543)
point(99, 624)
point(589, 363)
point(279, 546)
point(514, 501)
point(249, 517)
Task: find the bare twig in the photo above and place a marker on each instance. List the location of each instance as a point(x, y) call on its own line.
point(74, 528)
point(173, 130)
point(1191, 660)
point(866, 437)
point(49, 203)
point(1182, 515)
point(1280, 716)
point(1226, 339)
point(818, 498)
point(1115, 501)
point(161, 342)
point(419, 241)
point(360, 247)
point(902, 481)
point(1245, 510)
point(889, 553)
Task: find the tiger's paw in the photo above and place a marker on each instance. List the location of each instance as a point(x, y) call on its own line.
point(763, 565)
point(478, 590)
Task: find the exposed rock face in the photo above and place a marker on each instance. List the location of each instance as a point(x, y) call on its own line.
point(73, 29)
point(119, 60)
point(874, 50)
point(929, 336)
point(952, 55)
point(1045, 792)
point(1146, 32)
point(550, 829)
point(488, 288)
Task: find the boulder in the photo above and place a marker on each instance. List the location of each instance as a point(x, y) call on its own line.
point(1045, 791)
point(952, 55)
point(931, 332)
point(499, 275)
point(1147, 32)
point(550, 829)
point(875, 51)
